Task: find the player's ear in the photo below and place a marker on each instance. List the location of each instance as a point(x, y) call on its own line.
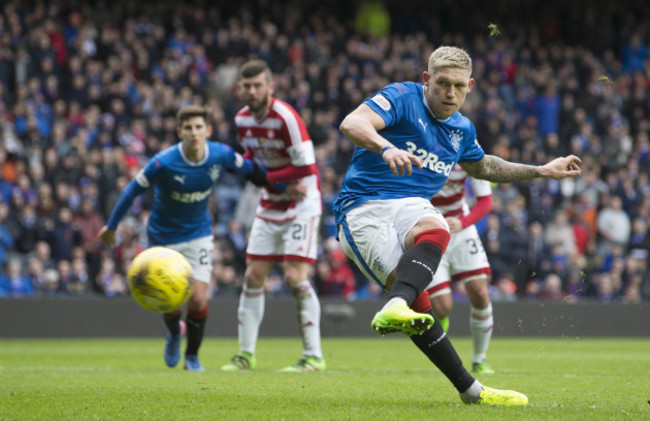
point(209, 129)
point(470, 84)
point(425, 78)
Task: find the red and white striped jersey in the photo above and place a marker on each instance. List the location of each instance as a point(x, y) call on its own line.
point(280, 143)
point(450, 200)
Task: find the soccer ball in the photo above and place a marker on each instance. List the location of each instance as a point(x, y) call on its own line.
point(160, 279)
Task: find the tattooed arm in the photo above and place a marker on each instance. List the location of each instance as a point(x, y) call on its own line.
point(498, 170)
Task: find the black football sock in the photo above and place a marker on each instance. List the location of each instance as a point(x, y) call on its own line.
point(435, 344)
point(415, 271)
point(172, 321)
point(195, 325)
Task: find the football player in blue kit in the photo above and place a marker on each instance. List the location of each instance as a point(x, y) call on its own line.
point(409, 137)
point(182, 177)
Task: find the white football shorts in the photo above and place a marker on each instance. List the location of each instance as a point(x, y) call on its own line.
point(373, 234)
point(291, 240)
point(199, 253)
point(464, 260)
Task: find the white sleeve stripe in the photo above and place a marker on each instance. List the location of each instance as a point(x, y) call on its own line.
point(250, 122)
point(291, 122)
point(303, 154)
point(142, 180)
point(480, 187)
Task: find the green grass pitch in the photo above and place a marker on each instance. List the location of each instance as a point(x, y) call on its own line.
point(367, 379)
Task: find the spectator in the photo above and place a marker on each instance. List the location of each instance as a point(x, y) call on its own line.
point(504, 289)
point(338, 279)
point(77, 280)
point(497, 256)
point(531, 290)
point(88, 221)
point(15, 283)
point(25, 229)
point(639, 239)
point(547, 110)
point(226, 281)
point(552, 289)
point(6, 237)
point(560, 233)
point(373, 19)
point(635, 53)
point(539, 251)
point(70, 95)
point(613, 223)
point(52, 286)
point(61, 235)
point(35, 273)
point(108, 280)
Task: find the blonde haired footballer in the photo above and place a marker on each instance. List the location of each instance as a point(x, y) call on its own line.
point(409, 137)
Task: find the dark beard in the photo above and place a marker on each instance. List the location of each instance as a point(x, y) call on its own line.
point(260, 107)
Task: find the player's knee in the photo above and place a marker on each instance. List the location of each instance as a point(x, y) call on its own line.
point(254, 278)
point(444, 311)
point(294, 272)
point(442, 305)
point(253, 283)
point(199, 297)
point(441, 309)
point(478, 292)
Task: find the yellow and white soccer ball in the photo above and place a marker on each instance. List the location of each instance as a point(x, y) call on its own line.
point(160, 279)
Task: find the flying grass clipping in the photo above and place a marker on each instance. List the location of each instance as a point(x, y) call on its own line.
point(606, 80)
point(494, 30)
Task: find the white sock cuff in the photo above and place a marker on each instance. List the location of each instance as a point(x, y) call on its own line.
point(392, 301)
point(252, 292)
point(303, 284)
point(482, 312)
point(473, 393)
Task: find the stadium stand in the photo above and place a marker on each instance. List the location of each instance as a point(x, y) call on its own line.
point(88, 92)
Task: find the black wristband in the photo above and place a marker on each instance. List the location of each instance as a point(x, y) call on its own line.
point(258, 176)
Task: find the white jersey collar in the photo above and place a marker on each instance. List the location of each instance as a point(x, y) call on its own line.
point(426, 105)
point(192, 163)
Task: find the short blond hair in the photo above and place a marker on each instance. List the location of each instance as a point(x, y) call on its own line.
point(448, 56)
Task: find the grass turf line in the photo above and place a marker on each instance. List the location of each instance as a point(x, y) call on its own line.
point(370, 378)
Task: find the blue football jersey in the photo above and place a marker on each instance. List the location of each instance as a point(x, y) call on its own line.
point(181, 192)
point(410, 125)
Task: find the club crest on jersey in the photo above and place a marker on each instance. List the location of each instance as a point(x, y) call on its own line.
point(214, 172)
point(261, 141)
point(456, 137)
point(270, 134)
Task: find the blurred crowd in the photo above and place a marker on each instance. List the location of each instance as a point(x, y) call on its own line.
point(89, 91)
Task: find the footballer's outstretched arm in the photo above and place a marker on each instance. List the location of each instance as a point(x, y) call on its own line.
point(498, 170)
point(361, 127)
point(107, 233)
